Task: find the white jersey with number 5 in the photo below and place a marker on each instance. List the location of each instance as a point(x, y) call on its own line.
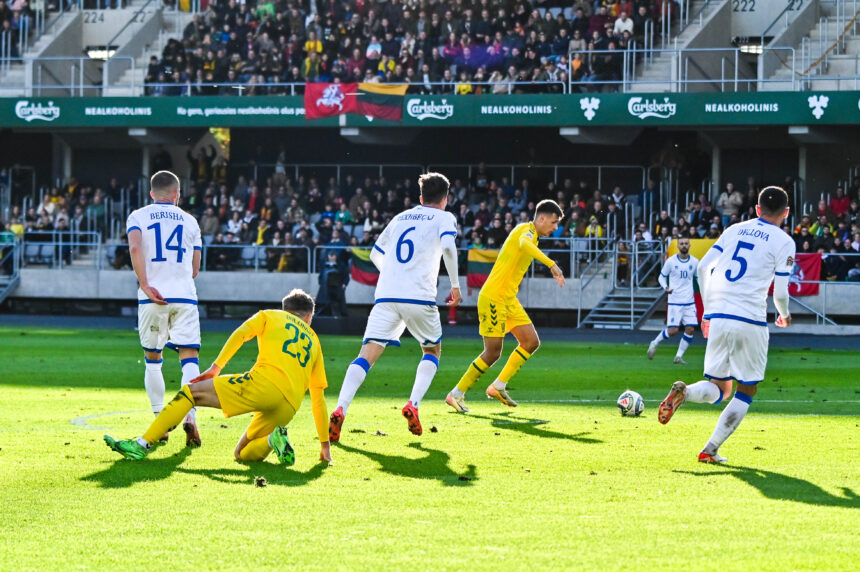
point(752, 252)
point(412, 247)
point(169, 237)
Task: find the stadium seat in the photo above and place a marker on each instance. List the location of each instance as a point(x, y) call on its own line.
point(110, 251)
point(47, 254)
point(31, 253)
point(247, 255)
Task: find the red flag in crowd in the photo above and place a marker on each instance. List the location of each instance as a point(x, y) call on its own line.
point(806, 267)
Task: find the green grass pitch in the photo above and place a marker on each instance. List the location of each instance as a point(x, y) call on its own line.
point(561, 482)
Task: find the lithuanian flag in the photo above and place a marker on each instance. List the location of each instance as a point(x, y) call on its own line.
point(478, 266)
point(361, 269)
point(698, 248)
point(380, 100)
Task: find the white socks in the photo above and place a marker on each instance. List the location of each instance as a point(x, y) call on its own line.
point(153, 381)
point(457, 392)
point(190, 370)
point(355, 374)
point(704, 392)
point(685, 343)
point(729, 420)
point(500, 385)
point(423, 378)
point(660, 337)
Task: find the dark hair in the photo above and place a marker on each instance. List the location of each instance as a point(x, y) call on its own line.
point(163, 182)
point(298, 302)
point(772, 201)
point(434, 187)
point(548, 206)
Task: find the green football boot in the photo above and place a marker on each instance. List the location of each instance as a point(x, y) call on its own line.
point(130, 449)
point(281, 444)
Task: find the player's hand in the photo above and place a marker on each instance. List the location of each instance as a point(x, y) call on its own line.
point(706, 328)
point(454, 298)
point(558, 275)
point(783, 322)
point(668, 290)
point(154, 295)
point(325, 452)
point(208, 374)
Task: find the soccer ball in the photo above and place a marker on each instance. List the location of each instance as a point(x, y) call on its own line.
point(630, 404)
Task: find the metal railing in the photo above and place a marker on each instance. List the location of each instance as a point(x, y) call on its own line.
point(58, 249)
point(253, 87)
point(592, 270)
point(708, 69)
point(42, 76)
point(595, 174)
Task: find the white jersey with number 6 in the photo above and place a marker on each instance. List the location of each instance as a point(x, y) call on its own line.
point(412, 248)
point(169, 237)
point(752, 252)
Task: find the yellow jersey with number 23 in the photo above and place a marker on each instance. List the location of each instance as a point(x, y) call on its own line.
point(289, 353)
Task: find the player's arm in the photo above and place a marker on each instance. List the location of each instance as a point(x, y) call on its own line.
point(449, 257)
point(377, 253)
point(198, 253)
point(532, 250)
point(703, 273)
point(662, 279)
point(135, 250)
point(317, 387)
point(781, 277)
point(251, 328)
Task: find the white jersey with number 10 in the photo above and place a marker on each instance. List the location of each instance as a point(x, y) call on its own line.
point(412, 247)
point(752, 252)
point(169, 237)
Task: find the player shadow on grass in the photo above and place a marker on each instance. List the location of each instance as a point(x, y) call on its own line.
point(782, 487)
point(432, 466)
point(274, 474)
point(123, 473)
point(533, 427)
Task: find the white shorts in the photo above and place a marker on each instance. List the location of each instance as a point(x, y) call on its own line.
point(387, 321)
point(677, 316)
point(736, 350)
point(178, 323)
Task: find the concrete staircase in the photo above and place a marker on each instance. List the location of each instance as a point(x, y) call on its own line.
point(13, 79)
point(621, 310)
point(130, 83)
point(659, 74)
point(838, 70)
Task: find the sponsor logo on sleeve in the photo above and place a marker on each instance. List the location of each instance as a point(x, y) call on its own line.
point(644, 108)
point(29, 111)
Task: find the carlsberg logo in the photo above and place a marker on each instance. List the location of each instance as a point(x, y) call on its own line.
point(422, 110)
point(642, 108)
point(30, 111)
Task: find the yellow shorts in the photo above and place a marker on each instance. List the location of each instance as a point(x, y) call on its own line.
point(243, 393)
point(498, 318)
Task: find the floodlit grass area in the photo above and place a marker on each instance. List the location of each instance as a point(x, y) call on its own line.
point(561, 482)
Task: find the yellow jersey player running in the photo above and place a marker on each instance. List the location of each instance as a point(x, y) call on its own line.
point(289, 362)
point(499, 311)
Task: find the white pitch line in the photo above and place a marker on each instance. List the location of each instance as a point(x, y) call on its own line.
point(82, 421)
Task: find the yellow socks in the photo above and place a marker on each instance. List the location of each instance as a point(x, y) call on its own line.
point(475, 371)
point(256, 449)
point(171, 416)
point(518, 357)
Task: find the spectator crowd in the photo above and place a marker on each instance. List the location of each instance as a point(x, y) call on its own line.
point(437, 46)
point(290, 219)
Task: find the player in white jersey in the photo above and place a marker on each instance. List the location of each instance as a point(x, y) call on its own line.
point(676, 277)
point(165, 246)
point(734, 278)
point(407, 254)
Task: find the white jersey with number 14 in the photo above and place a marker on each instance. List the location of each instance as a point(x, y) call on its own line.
point(169, 237)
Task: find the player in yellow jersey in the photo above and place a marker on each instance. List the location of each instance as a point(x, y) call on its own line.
point(289, 362)
point(499, 311)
